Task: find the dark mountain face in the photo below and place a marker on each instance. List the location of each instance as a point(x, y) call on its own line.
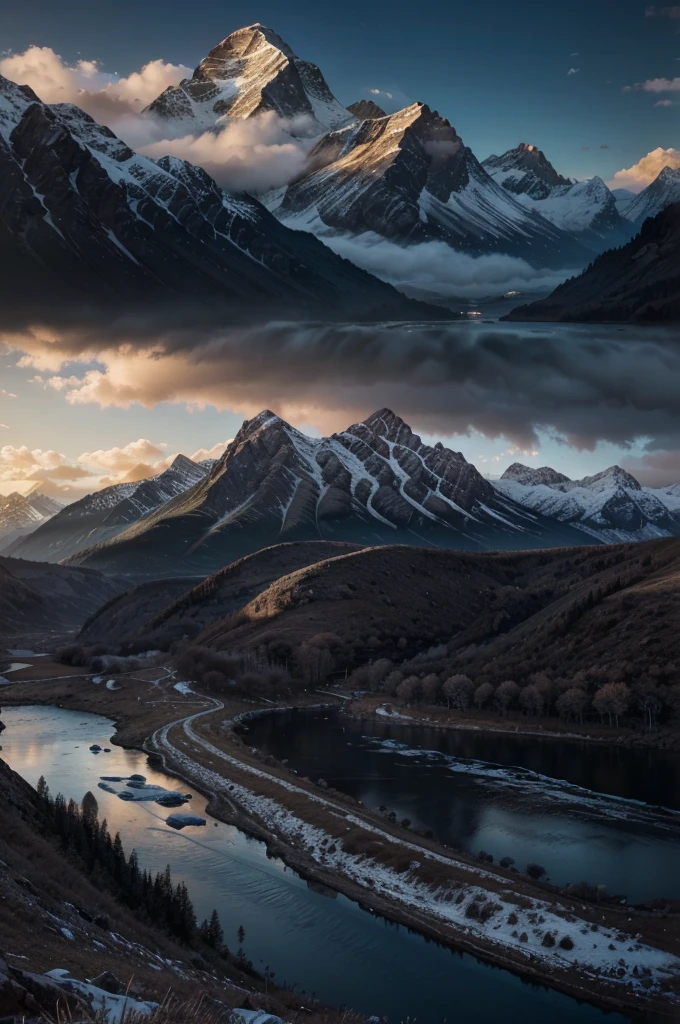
point(374, 483)
point(250, 72)
point(525, 170)
point(640, 281)
point(410, 178)
point(83, 215)
point(365, 109)
point(106, 513)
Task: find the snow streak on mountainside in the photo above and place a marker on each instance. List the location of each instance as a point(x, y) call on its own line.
point(252, 71)
point(610, 506)
point(105, 513)
point(374, 483)
point(586, 210)
point(664, 190)
point(83, 214)
point(409, 177)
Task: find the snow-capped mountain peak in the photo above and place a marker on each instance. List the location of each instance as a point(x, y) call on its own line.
point(249, 72)
point(611, 506)
point(662, 192)
point(409, 177)
point(525, 170)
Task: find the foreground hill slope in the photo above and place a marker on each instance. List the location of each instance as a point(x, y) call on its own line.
point(160, 612)
point(497, 615)
point(38, 597)
point(639, 282)
point(374, 483)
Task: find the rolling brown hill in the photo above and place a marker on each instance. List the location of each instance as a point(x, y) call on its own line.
point(157, 613)
point(496, 616)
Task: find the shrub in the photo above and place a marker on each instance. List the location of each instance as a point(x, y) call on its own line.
point(548, 940)
point(566, 942)
point(535, 871)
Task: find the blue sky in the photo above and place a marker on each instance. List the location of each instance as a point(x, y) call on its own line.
point(497, 70)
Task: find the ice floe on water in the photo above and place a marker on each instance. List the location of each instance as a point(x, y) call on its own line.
point(179, 821)
point(135, 787)
point(528, 784)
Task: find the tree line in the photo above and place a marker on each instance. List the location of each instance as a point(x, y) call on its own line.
point(155, 898)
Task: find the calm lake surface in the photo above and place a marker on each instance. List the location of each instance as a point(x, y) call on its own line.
point(579, 809)
point(322, 943)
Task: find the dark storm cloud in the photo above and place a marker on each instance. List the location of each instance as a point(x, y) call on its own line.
point(586, 384)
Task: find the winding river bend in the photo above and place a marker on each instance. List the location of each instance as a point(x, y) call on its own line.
point(583, 811)
point(323, 943)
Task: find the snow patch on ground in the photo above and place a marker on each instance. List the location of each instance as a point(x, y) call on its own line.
point(114, 1008)
point(497, 919)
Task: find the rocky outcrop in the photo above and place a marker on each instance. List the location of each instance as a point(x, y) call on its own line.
point(366, 109)
point(638, 282)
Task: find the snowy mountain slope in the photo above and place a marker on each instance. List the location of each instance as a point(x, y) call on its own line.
point(21, 514)
point(410, 178)
point(664, 190)
point(81, 212)
point(623, 197)
point(105, 513)
point(374, 483)
point(525, 170)
point(610, 506)
point(252, 71)
point(586, 210)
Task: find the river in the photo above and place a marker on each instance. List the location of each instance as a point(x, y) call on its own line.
point(322, 943)
point(583, 811)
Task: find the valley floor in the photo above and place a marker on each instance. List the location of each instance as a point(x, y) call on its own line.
point(616, 956)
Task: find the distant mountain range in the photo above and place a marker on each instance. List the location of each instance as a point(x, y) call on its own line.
point(21, 514)
point(610, 506)
point(405, 176)
point(374, 483)
point(104, 514)
point(640, 281)
point(82, 213)
point(586, 210)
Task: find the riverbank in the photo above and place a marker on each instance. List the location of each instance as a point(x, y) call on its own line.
point(663, 738)
point(616, 959)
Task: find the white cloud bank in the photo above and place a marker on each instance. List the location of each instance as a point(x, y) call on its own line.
point(645, 170)
point(254, 155)
point(435, 268)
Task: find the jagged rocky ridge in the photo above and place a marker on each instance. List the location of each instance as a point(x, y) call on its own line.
point(374, 483)
point(106, 513)
point(611, 506)
point(81, 214)
point(586, 210)
point(410, 178)
point(638, 282)
point(251, 72)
